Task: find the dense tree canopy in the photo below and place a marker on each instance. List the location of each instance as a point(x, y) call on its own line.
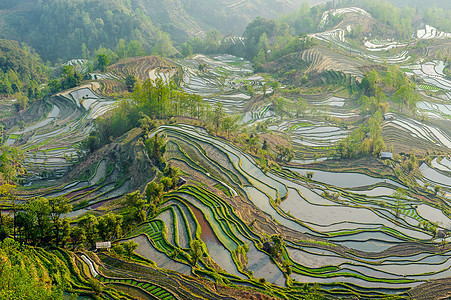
point(57, 29)
point(21, 70)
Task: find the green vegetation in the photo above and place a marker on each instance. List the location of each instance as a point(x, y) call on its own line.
point(21, 73)
point(365, 139)
point(439, 18)
point(21, 277)
point(11, 159)
point(264, 41)
point(67, 25)
point(243, 221)
point(70, 78)
point(308, 19)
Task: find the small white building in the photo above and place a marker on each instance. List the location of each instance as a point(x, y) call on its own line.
point(103, 245)
point(386, 155)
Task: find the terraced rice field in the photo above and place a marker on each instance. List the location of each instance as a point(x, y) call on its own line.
point(430, 32)
point(222, 79)
point(311, 134)
point(432, 74)
point(371, 51)
point(375, 45)
point(337, 37)
point(143, 68)
point(345, 231)
point(417, 131)
point(362, 222)
point(51, 149)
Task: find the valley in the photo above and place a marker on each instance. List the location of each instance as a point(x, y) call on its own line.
point(237, 178)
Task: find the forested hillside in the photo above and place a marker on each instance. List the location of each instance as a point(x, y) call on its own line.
point(232, 16)
point(64, 29)
point(403, 16)
point(21, 72)
point(445, 4)
point(59, 28)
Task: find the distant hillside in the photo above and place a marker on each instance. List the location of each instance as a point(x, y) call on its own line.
point(21, 69)
point(59, 28)
point(421, 4)
point(232, 16)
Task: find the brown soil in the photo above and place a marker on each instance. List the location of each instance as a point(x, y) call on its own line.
point(187, 287)
point(367, 165)
point(140, 67)
point(434, 289)
point(323, 58)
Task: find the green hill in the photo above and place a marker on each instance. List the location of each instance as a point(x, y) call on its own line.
point(21, 69)
point(57, 29)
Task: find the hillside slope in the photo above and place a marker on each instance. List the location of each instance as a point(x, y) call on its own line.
point(59, 28)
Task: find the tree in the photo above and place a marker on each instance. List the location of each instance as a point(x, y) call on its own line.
point(407, 96)
point(84, 51)
point(254, 32)
point(58, 206)
point(102, 62)
point(89, 223)
point(218, 114)
point(156, 148)
point(278, 245)
point(154, 190)
point(95, 285)
point(70, 77)
point(39, 210)
point(110, 226)
point(77, 235)
point(25, 224)
point(196, 251)
point(281, 107)
point(187, 49)
point(412, 163)
point(301, 107)
point(121, 49)
point(21, 102)
point(5, 227)
point(135, 48)
point(130, 247)
point(229, 124)
point(54, 86)
point(10, 164)
point(65, 231)
point(137, 205)
point(399, 195)
point(284, 153)
point(130, 82)
point(167, 183)
point(287, 265)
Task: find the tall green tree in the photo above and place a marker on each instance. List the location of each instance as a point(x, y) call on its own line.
point(130, 247)
point(196, 251)
point(102, 62)
point(110, 226)
point(89, 224)
point(58, 206)
point(137, 206)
